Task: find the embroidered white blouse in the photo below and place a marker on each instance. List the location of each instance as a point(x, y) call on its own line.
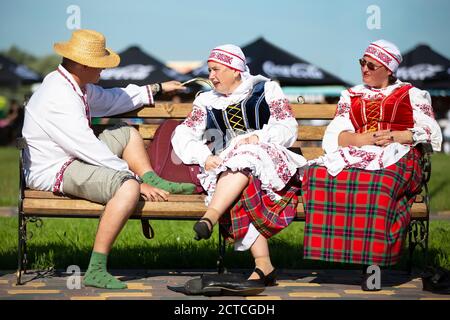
point(371, 157)
point(57, 125)
point(269, 160)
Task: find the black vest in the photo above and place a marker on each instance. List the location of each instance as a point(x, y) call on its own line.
point(250, 114)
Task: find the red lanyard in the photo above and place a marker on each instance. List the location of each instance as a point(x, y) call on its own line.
point(83, 98)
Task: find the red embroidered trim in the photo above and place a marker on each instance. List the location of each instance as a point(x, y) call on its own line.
point(427, 109)
point(150, 100)
point(59, 176)
point(280, 109)
point(380, 54)
point(342, 108)
point(373, 44)
point(195, 118)
point(221, 57)
point(83, 98)
point(230, 54)
point(226, 65)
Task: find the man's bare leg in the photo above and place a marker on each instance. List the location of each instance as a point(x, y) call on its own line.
point(116, 214)
point(137, 158)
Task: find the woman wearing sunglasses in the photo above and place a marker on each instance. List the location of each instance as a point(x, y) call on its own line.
point(359, 194)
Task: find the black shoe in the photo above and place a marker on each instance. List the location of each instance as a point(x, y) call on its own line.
point(201, 229)
point(230, 285)
point(268, 280)
point(436, 280)
point(220, 285)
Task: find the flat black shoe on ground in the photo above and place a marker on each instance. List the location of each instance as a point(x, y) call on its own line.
point(268, 280)
point(220, 285)
point(201, 229)
point(436, 280)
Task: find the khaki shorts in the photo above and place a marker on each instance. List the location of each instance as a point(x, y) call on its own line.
point(94, 183)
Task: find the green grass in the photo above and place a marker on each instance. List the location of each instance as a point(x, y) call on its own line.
point(9, 176)
point(439, 184)
point(63, 242)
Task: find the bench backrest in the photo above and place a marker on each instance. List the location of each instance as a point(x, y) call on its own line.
point(309, 135)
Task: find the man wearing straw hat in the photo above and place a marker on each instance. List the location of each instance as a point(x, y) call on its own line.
point(64, 155)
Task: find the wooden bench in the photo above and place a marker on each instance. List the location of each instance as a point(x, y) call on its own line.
point(34, 205)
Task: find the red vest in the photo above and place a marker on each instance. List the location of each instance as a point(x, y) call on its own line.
point(391, 112)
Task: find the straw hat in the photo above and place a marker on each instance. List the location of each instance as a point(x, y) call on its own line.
point(88, 47)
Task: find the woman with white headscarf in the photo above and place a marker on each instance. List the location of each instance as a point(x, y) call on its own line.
point(358, 196)
point(247, 170)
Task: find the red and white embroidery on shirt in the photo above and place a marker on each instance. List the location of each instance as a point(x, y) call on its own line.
point(280, 109)
point(279, 162)
point(365, 157)
point(60, 173)
point(426, 109)
point(59, 176)
point(342, 108)
point(195, 118)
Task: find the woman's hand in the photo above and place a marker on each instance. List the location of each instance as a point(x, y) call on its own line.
point(379, 138)
point(253, 139)
point(385, 137)
point(212, 162)
point(171, 86)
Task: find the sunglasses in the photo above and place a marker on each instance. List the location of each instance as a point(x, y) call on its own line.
point(370, 65)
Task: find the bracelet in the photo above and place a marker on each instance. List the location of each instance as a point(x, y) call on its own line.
point(156, 89)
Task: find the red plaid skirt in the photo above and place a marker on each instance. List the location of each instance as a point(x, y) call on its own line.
point(360, 216)
point(254, 206)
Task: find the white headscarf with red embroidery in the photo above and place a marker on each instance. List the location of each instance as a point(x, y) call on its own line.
point(386, 53)
point(231, 56)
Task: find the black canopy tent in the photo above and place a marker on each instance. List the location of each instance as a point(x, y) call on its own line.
point(13, 74)
point(425, 68)
point(273, 62)
point(138, 67)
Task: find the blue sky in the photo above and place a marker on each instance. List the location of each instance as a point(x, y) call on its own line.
point(331, 34)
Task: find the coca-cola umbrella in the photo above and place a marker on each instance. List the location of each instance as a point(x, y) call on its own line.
point(425, 68)
point(13, 74)
point(273, 62)
point(138, 67)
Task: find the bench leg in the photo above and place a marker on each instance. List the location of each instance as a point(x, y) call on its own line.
point(22, 248)
point(418, 237)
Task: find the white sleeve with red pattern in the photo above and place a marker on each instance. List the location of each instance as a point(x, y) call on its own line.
point(341, 122)
point(188, 142)
point(426, 128)
point(282, 126)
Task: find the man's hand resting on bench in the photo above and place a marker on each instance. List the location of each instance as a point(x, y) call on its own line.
point(152, 193)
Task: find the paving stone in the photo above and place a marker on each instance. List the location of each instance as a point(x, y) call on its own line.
point(152, 284)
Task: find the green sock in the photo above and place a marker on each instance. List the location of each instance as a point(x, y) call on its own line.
point(154, 180)
point(97, 276)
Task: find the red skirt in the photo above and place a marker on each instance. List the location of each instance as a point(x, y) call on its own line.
point(254, 206)
point(360, 216)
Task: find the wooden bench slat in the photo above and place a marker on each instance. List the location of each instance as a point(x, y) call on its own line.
point(36, 194)
point(305, 132)
point(181, 110)
point(192, 207)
